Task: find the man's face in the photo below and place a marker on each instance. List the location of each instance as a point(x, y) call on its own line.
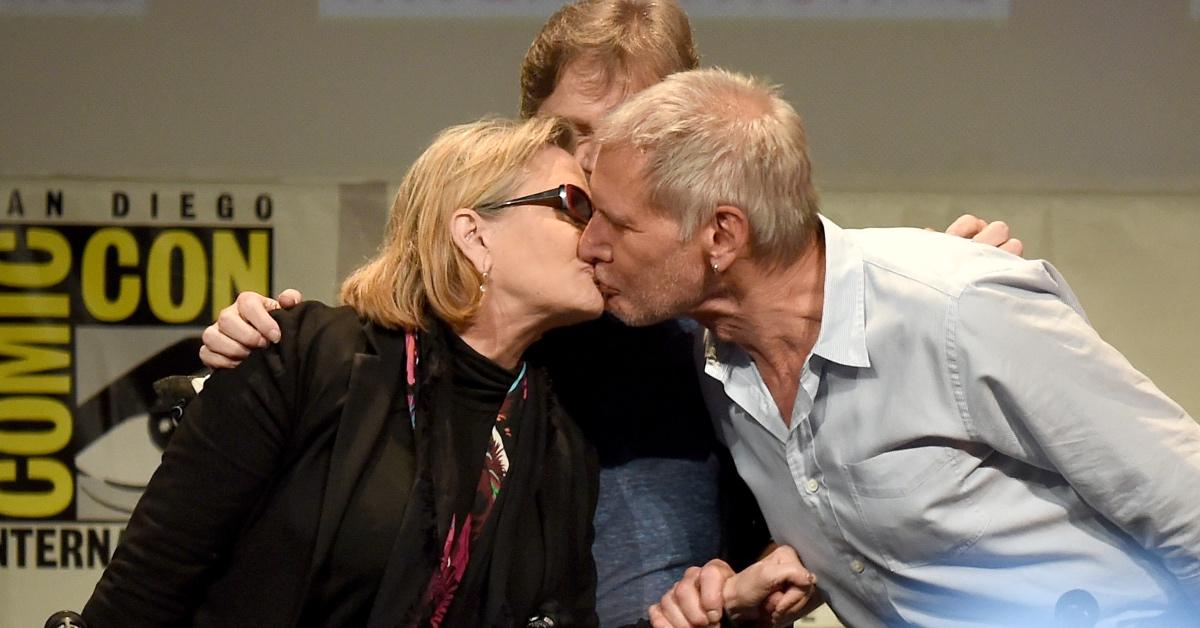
point(643, 270)
point(583, 98)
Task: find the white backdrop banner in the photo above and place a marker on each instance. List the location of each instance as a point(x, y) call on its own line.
point(104, 288)
point(814, 9)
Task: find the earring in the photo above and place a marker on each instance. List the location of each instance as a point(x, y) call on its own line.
point(483, 284)
point(716, 267)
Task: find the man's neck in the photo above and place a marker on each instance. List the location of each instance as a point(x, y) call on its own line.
point(774, 314)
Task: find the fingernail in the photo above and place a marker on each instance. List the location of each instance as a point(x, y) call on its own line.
point(714, 617)
point(275, 336)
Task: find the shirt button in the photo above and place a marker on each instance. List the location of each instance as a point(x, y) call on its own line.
point(812, 486)
point(857, 566)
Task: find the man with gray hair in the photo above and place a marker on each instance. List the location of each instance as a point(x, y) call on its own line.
point(932, 424)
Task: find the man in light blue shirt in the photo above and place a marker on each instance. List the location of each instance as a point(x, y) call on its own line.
point(931, 424)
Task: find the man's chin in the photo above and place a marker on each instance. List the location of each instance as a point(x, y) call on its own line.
point(620, 307)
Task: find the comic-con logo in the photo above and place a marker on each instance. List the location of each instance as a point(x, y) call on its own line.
point(90, 315)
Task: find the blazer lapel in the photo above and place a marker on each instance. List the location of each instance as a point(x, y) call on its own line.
point(374, 380)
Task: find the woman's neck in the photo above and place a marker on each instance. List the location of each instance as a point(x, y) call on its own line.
point(499, 338)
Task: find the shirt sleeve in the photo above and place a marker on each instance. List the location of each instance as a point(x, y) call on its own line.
point(1036, 382)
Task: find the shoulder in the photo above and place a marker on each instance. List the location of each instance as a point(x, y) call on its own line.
point(314, 320)
point(917, 259)
point(316, 347)
point(315, 332)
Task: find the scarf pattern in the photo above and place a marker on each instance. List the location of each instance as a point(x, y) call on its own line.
point(456, 549)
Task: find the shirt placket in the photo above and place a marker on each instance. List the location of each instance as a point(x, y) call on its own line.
point(815, 494)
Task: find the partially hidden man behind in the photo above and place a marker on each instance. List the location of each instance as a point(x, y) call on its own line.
point(933, 425)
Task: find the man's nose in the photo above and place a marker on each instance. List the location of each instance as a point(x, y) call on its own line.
point(591, 250)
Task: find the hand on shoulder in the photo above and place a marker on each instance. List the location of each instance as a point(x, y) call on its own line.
point(996, 233)
point(244, 326)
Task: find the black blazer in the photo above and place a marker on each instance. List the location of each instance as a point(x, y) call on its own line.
point(247, 503)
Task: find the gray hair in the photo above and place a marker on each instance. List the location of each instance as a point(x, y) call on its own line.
point(713, 137)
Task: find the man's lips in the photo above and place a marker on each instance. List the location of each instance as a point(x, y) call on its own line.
point(605, 289)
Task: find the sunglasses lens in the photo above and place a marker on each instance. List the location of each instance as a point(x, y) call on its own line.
point(578, 203)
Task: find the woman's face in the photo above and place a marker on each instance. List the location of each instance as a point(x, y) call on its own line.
point(534, 250)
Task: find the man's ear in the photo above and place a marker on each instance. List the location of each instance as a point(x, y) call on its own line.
point(727, 237)
point(470, 233)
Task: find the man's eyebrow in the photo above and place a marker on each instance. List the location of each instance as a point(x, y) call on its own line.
point(616, 219)
point(596, 209)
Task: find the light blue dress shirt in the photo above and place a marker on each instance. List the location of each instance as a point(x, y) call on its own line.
point(964, 448)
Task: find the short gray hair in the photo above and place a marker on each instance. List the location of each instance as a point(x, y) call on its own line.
point(713, 137)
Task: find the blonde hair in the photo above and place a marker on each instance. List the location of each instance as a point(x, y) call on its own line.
point(713, 137)
point(418, 269)
point(619, 38)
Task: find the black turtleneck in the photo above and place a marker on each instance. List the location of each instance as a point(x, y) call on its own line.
point(479, 384)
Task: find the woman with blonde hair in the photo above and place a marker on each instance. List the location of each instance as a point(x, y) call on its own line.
point(393, 462)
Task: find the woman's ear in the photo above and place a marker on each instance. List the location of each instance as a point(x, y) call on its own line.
point(470, 233)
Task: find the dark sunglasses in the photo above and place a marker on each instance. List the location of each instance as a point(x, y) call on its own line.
point(566, 198)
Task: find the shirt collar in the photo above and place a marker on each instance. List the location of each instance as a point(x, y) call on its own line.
point(843, 336)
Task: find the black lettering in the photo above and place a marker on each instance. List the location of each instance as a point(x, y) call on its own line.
point(120, 205)
point(185, 205)
point(154, 204)
point(45, 547)
point(69, 554)
point(225, 207)
point(54, 203)
point(15, 208)
point(3, 547)
point(20, 535)
point(99, 548)
point(263, 207)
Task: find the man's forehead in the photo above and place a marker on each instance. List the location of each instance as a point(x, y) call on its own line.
point(589, 87)
point(617, 173)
